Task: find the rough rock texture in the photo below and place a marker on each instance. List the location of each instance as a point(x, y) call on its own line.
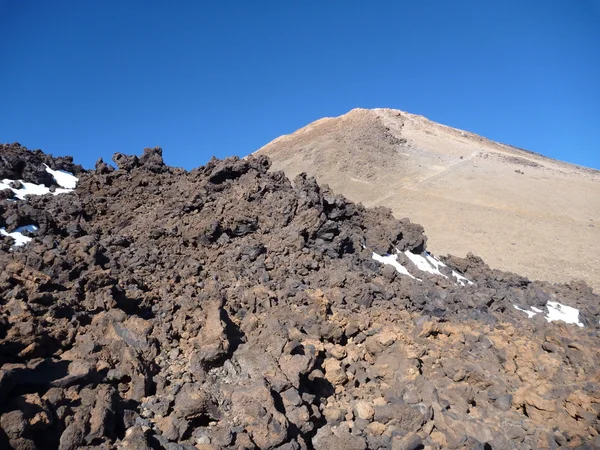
point(18, 164)
point(229, 308)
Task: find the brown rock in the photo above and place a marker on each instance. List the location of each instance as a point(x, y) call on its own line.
point(334, 372)
point(364, 410)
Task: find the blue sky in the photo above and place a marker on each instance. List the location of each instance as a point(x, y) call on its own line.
point(89, 78)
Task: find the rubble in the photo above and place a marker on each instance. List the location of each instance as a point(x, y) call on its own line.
point(228, 307)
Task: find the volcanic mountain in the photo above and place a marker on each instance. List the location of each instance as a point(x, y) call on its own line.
point(147, 307)
point(520, 211)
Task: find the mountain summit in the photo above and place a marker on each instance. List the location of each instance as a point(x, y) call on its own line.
point(520, 211)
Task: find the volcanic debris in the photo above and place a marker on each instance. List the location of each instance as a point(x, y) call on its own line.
point(227, 307)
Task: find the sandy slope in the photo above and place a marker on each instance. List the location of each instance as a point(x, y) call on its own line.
point(518, 210)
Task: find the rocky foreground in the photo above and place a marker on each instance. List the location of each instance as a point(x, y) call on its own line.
point(227, 307)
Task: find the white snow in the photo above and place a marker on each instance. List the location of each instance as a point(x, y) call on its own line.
point(462, 280)
point(424, 262)
point(530, 314)
point(18, 236)
point(557, 311)
point(437, 264)
point(392, 260)
point(67, 182)
point(27, 189)
point(64, 179)
point(434, 261)
point(429, 263)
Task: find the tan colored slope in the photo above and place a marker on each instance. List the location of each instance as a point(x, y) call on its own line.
point(518, 210)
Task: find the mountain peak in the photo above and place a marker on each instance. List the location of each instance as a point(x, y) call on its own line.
point(520, 210)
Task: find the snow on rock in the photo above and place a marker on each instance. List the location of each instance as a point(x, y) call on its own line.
point(26, 189)
point(392, 260)
point(425, 263)
point(428, 263)
point(530, 314)
point(18, 236)
point(437, 264)
point(67, 182)
point(64, 179)
point(556, 312)
point(565, 313)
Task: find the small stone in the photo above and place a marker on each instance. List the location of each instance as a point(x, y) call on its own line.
point(373, 346)
point(364, 410)
point(291, 397)
point(13, 423)
point(360, 425)
point(333, 415)
point(376, 428)
point(337, 351)
point(386, 338)
point(359, 338)
point(334, 372)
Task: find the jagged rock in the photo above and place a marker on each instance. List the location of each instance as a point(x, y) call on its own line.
point(254, 409)
point(212, 342)
point(334, 372)
point(152, 160)
point(125, 162)
point(191, 401)
point(17, 163)
point(102, 168)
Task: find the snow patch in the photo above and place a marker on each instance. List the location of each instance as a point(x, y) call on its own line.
point(530, 314)
point(392, 260)
point(31, 189)
point(67, 182)
point(424, 262)
point(64, 179)
point(18, 236)
point(565, 313)
point(27, 189)
point(430, 264)
point(556, 311)
point(437, 264)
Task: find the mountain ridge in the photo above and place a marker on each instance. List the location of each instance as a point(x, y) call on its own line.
point(431, 122)
point(507, 204)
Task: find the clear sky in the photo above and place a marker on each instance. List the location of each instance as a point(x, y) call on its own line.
point(89, 78)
